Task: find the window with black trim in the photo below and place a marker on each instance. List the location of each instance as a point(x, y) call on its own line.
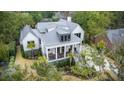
point(78, 34)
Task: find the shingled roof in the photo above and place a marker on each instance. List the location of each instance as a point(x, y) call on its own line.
point(116, 35)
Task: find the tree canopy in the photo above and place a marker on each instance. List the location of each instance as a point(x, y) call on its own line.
point(93, 22)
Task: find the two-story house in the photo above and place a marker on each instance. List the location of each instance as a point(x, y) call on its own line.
point(54, 39)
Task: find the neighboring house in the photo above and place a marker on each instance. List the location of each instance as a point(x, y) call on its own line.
point(113, 38)
point(116, 37)
point(63, 14)
point(102, 37)
point(54, 39)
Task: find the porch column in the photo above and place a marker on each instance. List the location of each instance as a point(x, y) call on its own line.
point(56, 53)
point(65, 51)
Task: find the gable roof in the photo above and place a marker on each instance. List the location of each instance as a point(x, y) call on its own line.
point(47, 32)
point(26, 30)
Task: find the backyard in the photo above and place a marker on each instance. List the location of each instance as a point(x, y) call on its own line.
point(67, 75)
point(22, 62)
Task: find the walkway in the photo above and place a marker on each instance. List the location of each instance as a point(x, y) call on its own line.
point(20, 60)
point(24, 63)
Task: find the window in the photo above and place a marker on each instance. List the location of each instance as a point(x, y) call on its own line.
point(30, 44)
point(61, 38)
point(65, 37)
point(78, 34)
point(68, 37)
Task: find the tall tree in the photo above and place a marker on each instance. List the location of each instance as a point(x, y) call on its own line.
point(37, 16)
point(11, 23)
point(93, 22)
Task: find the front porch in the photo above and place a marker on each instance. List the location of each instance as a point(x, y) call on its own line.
point(61, 52)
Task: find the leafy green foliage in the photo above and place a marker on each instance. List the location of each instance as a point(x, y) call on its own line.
point(11, 23)
point(4, 52)
point(37, 16)
point(101, 46)
point(71, 56)
point(83, 71)
point(48, 14)
point(13, 72)
point(12, 48)
point(7, 50)
point(117, 19)
point(93, 22)
point(46, 71)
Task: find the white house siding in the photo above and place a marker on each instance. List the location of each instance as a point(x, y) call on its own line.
point(30, 37)
point(78, 29)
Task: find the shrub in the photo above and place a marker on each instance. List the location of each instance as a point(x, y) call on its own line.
point(13, 72)
point(4, 52)
point(83, 71)
point(12, 48)
point(46, 71)
point(63, 63)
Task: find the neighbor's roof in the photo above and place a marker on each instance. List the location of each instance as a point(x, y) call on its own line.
point(116, 35)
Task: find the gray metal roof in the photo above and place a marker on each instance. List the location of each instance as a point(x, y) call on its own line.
point(63, 30)
point(42, 26)
point(116, 35)
point(26, 30)
point(50, 38)
point(61, 27)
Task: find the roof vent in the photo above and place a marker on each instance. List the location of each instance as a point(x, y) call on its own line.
point(69, 19)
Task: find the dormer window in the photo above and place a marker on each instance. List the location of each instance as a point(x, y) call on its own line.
point(68, 37)
point(65, 37)
point(62, 38)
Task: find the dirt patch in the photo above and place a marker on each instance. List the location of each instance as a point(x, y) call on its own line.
point(70, 78)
